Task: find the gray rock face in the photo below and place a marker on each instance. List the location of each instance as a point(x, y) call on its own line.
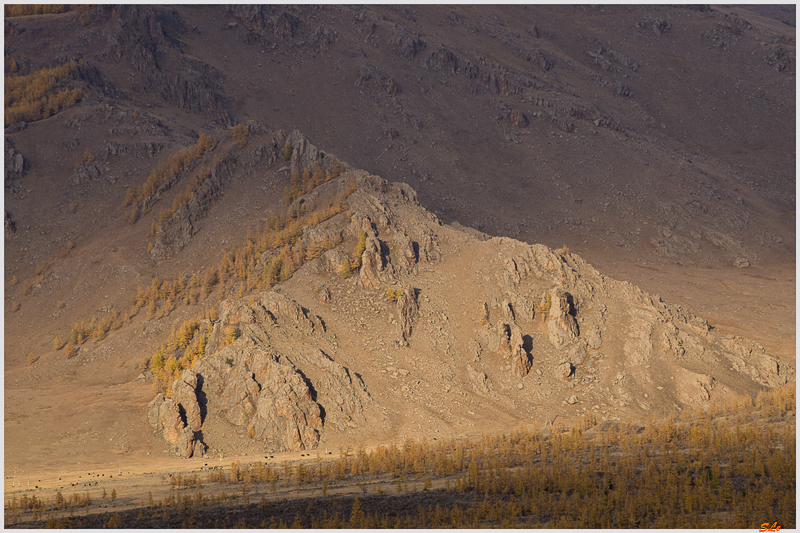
point(183, 394)
point(408, 45)
point(561, 326)
point(16, 165)
point(372, 263)
point(239, 397)
point(173, 235)
point(480, 382)
point(85, 172)
point(407, 311)
point(286, 416)
point(274, 377)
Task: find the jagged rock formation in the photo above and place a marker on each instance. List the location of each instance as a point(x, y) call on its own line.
point(264, 148)
point(564, 333)
point(86, 171)
point(11, 228)
point(165, 415)
point(561, 326)
point(145, 37)
point(15, 163)
point(274, 380)
point(407, 311)
point(479, 381)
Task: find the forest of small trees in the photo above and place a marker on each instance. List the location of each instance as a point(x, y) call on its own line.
point(38, 94)
point(25, 10)
point(165, 175)
point(730, 465)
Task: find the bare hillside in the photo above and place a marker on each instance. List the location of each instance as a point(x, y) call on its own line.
point(160, 198)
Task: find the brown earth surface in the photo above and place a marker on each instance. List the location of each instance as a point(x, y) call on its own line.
point(705, 149)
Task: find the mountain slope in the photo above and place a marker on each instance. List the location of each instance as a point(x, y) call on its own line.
point(656, 142)
point(465, 333)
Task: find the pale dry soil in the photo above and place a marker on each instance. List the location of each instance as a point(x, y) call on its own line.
point(757, 303)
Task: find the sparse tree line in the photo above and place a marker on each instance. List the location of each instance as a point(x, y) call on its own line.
point(241, 271)
point(182, 350)
point(37, 506)
point(164, 176)
point(355, 257)
point(727, 466)
point(301, 183)
point(34, 95)
point(25, 10)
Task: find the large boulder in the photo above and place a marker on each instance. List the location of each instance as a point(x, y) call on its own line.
point(520, 360)
point(372, 263)
point(405, 246)
point(173, 235)
point(164, 415)
point(186, 443)
point(16, 165)
point(561, 326)
point(184, 395)
point(519, 119)
point(480, 382)
point(407, 312)
point(499, 338)
point(84, 172)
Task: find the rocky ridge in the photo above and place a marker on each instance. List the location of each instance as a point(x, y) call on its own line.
point(509, 327)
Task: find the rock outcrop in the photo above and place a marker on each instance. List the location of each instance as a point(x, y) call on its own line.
point(264, 148)
point(146, 36)
point(408, 44)
point(519, 119)
point(520, 360)
point(372, 263)
point(164, 414)
point(10, 227)
point(273, 380)
point(479, 381)
point(561, 326)
point(86, 171)
point(564, 333)
point(407, 312)
point(183, 394)
point(16, 165)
